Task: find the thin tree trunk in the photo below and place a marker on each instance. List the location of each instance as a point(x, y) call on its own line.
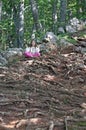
point(0, 9)
point(35, 15)
point(54, 16)
point(63, 7)
point(18, 16)
point(21, 24)
point(83, 6)
point(77, 8)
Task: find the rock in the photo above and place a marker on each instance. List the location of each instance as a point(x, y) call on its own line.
point(80, 49)
point(42, 47)
point(61, 30)
point(13, 52)
point(3, 61)
point(82, 43)
point(80, 27)
point(67, 49)
point(70, 29)
point(10, 55)
point(75, 25)
point(83, 50)
point(49, 42)
point(15, 49)
point(74, 21)
point(50, 37)
point(64, 43)
point(47, 47)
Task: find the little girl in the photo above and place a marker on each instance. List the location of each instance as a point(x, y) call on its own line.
point(32, 51)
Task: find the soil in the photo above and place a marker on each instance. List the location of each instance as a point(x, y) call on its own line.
point(41, 93)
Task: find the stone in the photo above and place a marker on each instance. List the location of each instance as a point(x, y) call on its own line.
point(50, 37)
point(67, 49)
point(75, 25)
point(74, 21)
point(47, 47)
point(10, 55)
point(80, 27)
point(49, 42)
point(80, 49)
point(70, 29)
point(61, 30)
point(63, 42)
point(11, 52)
point(3, 61)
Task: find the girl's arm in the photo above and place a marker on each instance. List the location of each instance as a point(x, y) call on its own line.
point(27, 49)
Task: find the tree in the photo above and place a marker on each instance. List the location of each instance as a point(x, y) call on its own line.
point(21, 24)
point(18, 17)
point(63, 7)
point(54, 16)
point(37, 24)
point(77, 8)
point(80, 8)
point(0, 9)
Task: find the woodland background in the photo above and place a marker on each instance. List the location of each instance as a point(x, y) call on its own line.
point(46, 92)
point(20, 20)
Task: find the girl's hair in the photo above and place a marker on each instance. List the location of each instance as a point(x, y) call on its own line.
point(32, 42)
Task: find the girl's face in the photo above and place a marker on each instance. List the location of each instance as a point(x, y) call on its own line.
point(33, 43)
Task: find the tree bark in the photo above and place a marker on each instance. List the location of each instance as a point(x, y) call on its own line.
point(54, 16)
point(18, 16)
point(63, 6)
point(35, 15)
point(0, 9)
point(83, 6)
point(21, 24)
point(77, 8)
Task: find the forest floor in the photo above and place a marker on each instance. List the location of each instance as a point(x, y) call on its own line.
point(43, 93)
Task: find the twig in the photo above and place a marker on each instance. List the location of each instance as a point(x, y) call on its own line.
point(66, 128)
point(51, 125)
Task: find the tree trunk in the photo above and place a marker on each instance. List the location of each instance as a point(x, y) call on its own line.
point(18, 16)
point(77, 8)
point(35, 15)
point(54, 16)
point(0, 9)
point(63, 6)
point(21, 24)
point(15, 18)
point(83, 6)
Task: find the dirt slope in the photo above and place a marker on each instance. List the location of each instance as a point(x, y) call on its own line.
point(39, 93)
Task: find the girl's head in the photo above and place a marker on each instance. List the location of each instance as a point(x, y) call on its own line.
point(33, 43)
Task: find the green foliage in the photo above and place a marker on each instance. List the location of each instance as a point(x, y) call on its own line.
point(45, 7)
point(67, 37)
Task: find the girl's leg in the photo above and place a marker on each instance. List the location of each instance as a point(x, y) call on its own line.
point(37, 54)
point(28, 54)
